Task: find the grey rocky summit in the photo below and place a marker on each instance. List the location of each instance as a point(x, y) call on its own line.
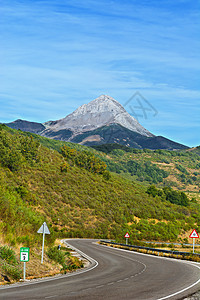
point(102, 111)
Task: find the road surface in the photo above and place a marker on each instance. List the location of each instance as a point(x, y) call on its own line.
point(114, 274)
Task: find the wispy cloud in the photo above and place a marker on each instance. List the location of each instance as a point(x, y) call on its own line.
point(57, 55)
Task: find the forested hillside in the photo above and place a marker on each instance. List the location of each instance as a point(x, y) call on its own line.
point(177, 169)
point(74, 193)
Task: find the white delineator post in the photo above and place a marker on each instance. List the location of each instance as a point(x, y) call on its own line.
point(43, 229)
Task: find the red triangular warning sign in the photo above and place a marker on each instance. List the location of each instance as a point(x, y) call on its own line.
point(194, 235)
point(127, 235)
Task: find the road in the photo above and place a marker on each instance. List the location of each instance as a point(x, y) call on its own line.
point(114, 274)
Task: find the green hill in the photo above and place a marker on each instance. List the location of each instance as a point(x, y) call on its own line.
point(71, 189)
point(177, 169)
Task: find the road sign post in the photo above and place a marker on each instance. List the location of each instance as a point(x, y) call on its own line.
point(43, 229)
point(24, 257)
point(127, 236)
point(194, 235)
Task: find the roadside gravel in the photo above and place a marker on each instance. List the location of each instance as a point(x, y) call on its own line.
point(193, 297)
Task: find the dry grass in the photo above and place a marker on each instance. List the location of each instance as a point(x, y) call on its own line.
point(136, 219)
point(37, 270)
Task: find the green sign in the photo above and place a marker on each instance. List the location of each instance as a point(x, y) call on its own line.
point(24, 254)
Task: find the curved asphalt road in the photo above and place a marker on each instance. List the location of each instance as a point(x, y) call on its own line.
point(114, 274)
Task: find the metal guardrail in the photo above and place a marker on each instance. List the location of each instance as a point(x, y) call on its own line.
point(172, 243)
point(153, 249)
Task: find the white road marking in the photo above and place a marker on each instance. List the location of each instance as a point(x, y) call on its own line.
point(172, 259)
point(181, 291)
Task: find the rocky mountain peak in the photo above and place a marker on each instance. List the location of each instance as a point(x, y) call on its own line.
point(102, 104)
point(102, 111)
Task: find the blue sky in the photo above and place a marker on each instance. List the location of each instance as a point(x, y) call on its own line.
point(56, 55)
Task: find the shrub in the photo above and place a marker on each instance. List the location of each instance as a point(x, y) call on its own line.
point(175, 197)
point(8, 255)
point(9, 263)
point(14, 272)
point(182, 169)
point(64, 167)
point(146, 171)
point(29, 148)
point(15, 149)
point(86, 160)
point(57, 255)
point(64, 258)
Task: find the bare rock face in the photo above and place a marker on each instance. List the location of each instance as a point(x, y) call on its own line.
point(102, 111)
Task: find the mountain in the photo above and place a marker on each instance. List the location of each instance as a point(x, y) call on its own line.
point(118, 134)
point(27, 126)
point(103, 111)
point(101, 121)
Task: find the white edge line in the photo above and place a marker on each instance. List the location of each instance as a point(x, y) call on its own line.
point(60, 277)
point(183, 290)
point(166, 258)
point(96, 264)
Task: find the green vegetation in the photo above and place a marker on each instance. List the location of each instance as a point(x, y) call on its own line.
point(146, 171)
point(64, 258)
point(15, 151)
point(69, 187)
point(86, 160)
point(196, 150)
point(175, 197)
point(9, 263)
point(178, 169)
